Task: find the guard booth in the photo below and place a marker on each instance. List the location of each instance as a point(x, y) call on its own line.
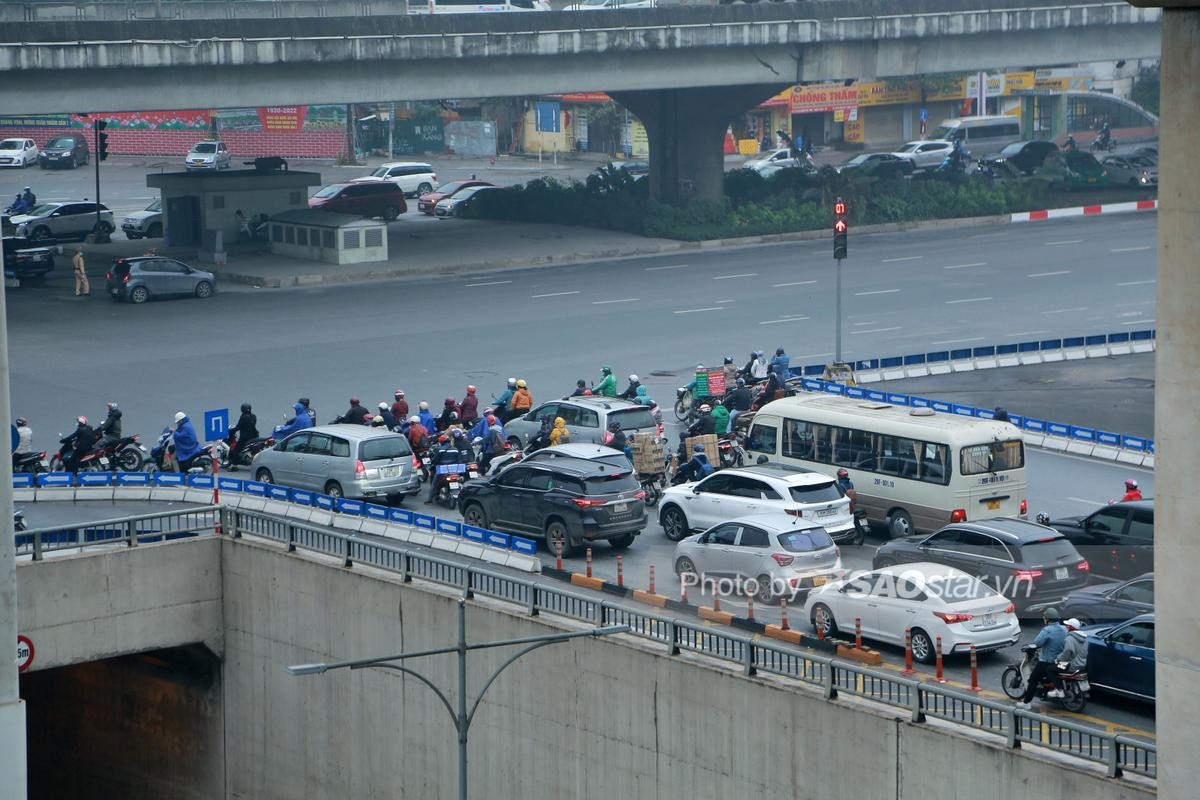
point(198, 205)
point(328, 236)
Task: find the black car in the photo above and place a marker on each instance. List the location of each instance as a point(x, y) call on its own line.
point(65, 151)
point(1117, 540)
point(568, 501)
point(1111, 602)
point(1024, 157)
point(880, 165)
point(1030, 564)
point(24, 259)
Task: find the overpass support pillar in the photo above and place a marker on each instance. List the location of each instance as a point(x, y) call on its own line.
point(686, 129)
point(1176, 422)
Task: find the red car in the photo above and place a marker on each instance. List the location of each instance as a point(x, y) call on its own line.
point(372, 199)
point(426, 202)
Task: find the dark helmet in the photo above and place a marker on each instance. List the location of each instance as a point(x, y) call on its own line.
point(778, 351)
point(22, 421)
point(303, 401)
point(245, 408)
point(697, 448)
point(741, 383)
point(614, 426)
point(1051, 614)
point(728, 359)
point(607, 370)
point(354, 401)
point(450, 402)
point(581, 383)
point(457, 433)
point(761, 460)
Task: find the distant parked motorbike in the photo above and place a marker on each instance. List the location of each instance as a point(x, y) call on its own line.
point(1075, 686)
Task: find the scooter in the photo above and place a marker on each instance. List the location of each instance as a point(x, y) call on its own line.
point(95, 460)
point(163, 454)
point(684, 410)
point(1075, 686)
point(245, 454)
point(448, 480)
point(731, 451)
point(29, 462)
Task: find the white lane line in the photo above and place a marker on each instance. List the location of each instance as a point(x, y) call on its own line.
point(960, 341)
point(793, 283)
point(904, 258)
point(1025, 333)
point(487, 283)
point(1064, 241)
point(968, 300)
point(1048, 274)
point(672, 266)
point(877, 291)
point(739, 275)
point(1085, 500)
point(964, 266)
point(865, 324)
point(876, 330)
point(1131, 249)
point(730, 300)
point(1066, 310)
point(1137, 283)
point(553, 294)
point(698, 310)
point(1150, 321)
point(785, 319)
point(606, 302)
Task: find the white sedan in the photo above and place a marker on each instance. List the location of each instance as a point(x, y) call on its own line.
point(930, 600)
point(18, 153)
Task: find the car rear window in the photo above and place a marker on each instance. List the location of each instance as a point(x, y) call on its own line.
point(328, 191)
point(120, 268)
point(805, 541)
point(631, 418)
point(952, 588)
point(815, 493)
point(1048, 551)
point(610, 484)
point(383, 448)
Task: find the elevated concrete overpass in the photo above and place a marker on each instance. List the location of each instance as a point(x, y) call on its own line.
point(685, 71)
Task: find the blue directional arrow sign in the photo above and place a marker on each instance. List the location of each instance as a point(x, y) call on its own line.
point(216, 424)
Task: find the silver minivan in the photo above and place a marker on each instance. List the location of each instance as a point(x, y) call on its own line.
point(981, 135)
point(353, 461)
point(587, 419)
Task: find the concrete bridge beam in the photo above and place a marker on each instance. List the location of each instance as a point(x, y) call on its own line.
point(686, 129)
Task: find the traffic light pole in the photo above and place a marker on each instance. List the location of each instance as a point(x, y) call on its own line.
point(101, 237)
point(837, 348)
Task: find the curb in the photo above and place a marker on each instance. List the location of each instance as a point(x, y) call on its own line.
point(1086, 211)
point(864, 655)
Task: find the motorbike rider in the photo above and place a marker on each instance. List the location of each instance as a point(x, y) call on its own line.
point(1104, 137)
point(1000, 414)
point(720, 415)
point(1050, 641)
point(459, 439)
point(522, 401)
point(630, 392)
point(731, 372)
point(616, 438)
point(400, 406)
point(418, 435)
point(559, 433)
point(29, 198)
point(312, 412)
point(357, 415)
point(782, 362)
point(1073, 657)
point(704, 424)
point(24, 438)
point(245, 430)
point(737, 401)
point(580, 388)
point(1132, 492)
point(110, 430)
point(846, 486)
point(449, 415)
point(187, 445)
point(608, 386)
point(298, 422)
point(442, 454)
point(774, 387)
point(388, 418)
point(81, 441)
point(468, 410)
point(426, 416)
point(542, 437)
point(493, 441)
point(504, 401)
point(1069, 144)
point(696, 468)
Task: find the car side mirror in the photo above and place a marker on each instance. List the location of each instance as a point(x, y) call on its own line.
point(695, 490)
point(845, 587)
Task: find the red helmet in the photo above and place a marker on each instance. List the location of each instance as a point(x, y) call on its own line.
point(470, 390)
point(491, 419)
point(842, 473)
point(1131, 484)
point(399, 393)
point(443, 438)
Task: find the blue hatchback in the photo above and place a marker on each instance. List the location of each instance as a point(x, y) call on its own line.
point(1121, 657)
point(1111, 602)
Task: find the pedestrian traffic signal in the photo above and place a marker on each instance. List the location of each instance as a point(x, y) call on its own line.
point(841, 229)
point(101, 140)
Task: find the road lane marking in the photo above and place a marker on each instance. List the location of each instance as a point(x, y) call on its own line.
point(606, 302)
point(964, 266)
point(793, 283)
point(1048, 274)
point(1085, 501)
point(903, 258)
point(785, 319)
point(1131, 249)
point(876, 330)
point(865, 324)
point(730, 300)
point(968, 300)
point(1024, 333)
point(487, 283)
point(698, 310)
point(1137, 283)
point(877, 291)
point(960, 341)
point(553, 294)
point(1140, 321)
point(739, 275)
point(672, 266)
point(1064, 241)
point(1066, 310)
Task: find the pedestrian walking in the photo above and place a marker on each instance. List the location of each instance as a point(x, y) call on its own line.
point(81, 280)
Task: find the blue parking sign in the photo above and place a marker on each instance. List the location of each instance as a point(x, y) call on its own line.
point(216, 424)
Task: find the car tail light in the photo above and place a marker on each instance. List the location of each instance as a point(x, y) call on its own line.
point(1083, 566)
point(794, 512)
point(359, 469)
point(640, 494)
point(952, 617)
point(107, 275)
point(137, 437)
point(416, 462)
point(587, 502)
point(781, 559)
point(1012, 607)
point(1026, 574)
point(125, 279)
point(1024, 508)
point(958, 515)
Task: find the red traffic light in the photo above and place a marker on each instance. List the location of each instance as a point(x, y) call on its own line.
point(839, 208)
point(839, 226)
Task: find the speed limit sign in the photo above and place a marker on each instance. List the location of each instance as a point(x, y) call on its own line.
point(24, 652)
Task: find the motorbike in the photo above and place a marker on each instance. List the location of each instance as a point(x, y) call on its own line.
point(19, 520)
point(684, 411)
point(731, 451)
point(245, 454)
point(448, 482)
point(163, 454)
point(29, 462)
point(652, 484)
point(1100, 144)
point(1075, 686)
point(95, 460)
point(422, 457)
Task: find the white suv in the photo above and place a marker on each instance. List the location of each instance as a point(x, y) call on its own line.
point(413, 177)
point(763, 488)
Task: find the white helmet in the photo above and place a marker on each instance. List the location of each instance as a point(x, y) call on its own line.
point(1073, 623)
point(423, 406)
point(382, 406)
point(414, 419)
point(512, 382)
point(180, 417)
point(633, 378)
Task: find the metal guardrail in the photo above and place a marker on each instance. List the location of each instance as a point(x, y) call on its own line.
point(1118, 753)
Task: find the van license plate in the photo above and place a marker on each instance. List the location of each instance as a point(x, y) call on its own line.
point(993, 505)
point(819, 580)
point(620, 508)
point(389, 472)
point(1060, 574)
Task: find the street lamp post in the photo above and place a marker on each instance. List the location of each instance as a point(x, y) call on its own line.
point(461, 718)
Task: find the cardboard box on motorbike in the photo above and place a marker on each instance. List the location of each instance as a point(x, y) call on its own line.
point(709, 440)
point(648, 454)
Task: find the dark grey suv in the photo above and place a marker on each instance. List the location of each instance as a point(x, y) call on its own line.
point(568, 501)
